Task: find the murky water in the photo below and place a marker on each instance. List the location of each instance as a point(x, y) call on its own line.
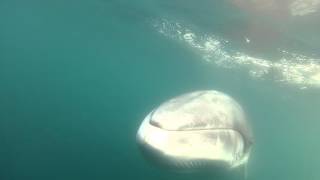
point(78, 77)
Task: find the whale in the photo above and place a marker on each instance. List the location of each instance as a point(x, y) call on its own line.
point(197, 131)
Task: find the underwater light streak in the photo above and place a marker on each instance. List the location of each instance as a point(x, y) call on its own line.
point(291, 68)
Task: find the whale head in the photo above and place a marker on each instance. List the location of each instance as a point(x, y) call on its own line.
point(196, 131)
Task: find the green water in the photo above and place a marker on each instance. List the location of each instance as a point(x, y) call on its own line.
point(78, 77)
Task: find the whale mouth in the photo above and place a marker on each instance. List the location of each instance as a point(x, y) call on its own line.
point(192, 149)
point(247, 142)
point(158, 125)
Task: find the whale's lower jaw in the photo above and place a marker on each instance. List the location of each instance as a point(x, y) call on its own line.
point(192, 150)
point(178, 164)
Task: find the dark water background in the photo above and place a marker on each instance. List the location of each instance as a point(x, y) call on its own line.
point(78, 77)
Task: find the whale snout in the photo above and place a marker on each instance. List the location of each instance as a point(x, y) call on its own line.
point(194, 133)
